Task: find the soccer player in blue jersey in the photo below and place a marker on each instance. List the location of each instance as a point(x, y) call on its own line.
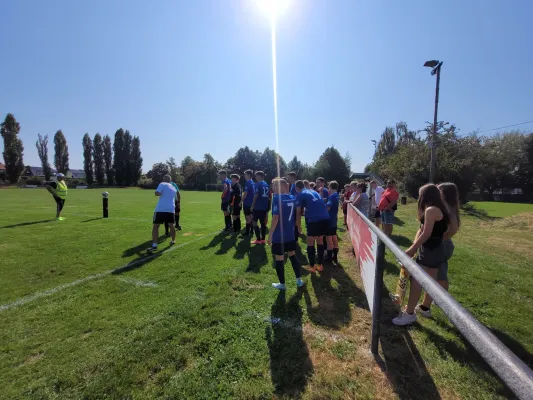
point(226, 195)
point(321, 189)
point(235, 202)
point(291, 179)
point(281, 237)
point(317, 215)
point(333, 209)
point(247, 199)
point(260, 206)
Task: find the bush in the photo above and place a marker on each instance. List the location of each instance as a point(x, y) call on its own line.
point(147, 184)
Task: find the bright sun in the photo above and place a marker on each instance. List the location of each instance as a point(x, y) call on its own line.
point(273, 8)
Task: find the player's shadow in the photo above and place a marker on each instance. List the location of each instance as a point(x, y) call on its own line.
point(140, 248)
point(92, 219)
point(402, 362)
point(227, 243)
point(257, 258)
point(290, 364)
point(242, 248)
point(398, 221)
point(401, 241)
point(27, 223)
point(139, 262)
point(216, 240)
point(333, 308)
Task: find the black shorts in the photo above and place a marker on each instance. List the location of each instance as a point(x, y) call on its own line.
point(247, 210)
point(279, 249)
point(319, 228)
point(162, 217)
point(260, 215)
point(332, 231)
point(60, 203)
point(236, 210)
point(377, 214)
point(224, 206)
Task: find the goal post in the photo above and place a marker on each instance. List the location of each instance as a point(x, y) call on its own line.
point(214, 187)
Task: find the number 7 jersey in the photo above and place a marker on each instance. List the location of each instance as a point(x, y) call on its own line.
point(284, 205)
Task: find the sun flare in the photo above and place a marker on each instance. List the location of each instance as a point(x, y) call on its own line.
point(273, 8)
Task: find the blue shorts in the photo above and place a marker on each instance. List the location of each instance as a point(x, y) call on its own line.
point(442, 274)
point(387, 217)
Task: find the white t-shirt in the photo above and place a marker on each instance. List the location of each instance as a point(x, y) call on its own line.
point(166, 200)
point(378, 192)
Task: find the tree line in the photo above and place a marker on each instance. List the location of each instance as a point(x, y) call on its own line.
point(486, 163)
point(105, 162)
point(195, 175)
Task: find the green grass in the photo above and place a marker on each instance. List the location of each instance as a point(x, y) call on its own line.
point(201, 321)
point(502, 210)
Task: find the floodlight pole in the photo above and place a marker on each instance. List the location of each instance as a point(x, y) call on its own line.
point(433, 160)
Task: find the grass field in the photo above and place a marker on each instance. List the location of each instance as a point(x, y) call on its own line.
point(85, 314)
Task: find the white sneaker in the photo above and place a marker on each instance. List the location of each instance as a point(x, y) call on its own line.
point(172, 242)
point(404, 319)
point(299, 282)
point(279, 286)
point(423, 313)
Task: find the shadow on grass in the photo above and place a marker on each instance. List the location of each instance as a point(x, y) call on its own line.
point(398, 221)
point(226, 244)
point(401, 241)
point(392, 268)
point(27, 223)
point(334, 303)
point(142, 260)
point(216, 240)
point(290, 364)
point(257, 258)
point(472, 211)
point(141, 248)
point(93, 219)
point(401, 361)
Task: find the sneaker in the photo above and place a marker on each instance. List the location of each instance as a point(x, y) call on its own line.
point(228, 228)
point(310, 269)
point(178, 227)
point(404, 319)
point(60, 219)
point(152, 248)
point(299, 282)
point(172, 242)
point(423, 313)
point(279, 286)
point(320, 268)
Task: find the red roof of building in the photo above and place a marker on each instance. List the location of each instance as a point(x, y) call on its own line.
point(2, 166)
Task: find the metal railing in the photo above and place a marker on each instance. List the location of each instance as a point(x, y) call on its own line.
point(511, 370)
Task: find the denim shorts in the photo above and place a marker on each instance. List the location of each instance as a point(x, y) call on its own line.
point(442, 274)
point(387, 217)
point(431, 258)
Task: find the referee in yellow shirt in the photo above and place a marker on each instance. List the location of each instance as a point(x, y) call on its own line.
point(58, 189)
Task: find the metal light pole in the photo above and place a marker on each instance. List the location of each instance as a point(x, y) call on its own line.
point(435, 64)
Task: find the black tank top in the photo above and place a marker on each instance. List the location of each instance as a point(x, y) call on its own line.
point(439, 229)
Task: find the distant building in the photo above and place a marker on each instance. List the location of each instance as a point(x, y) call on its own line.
point(37, 172)
point(2, 167)
point(76, 174)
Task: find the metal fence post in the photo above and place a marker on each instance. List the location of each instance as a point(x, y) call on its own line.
point(376, 308)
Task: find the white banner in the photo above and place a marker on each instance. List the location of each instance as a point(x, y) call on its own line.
point(365, 245)
point(82, 187)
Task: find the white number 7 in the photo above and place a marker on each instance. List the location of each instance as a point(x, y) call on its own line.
point(291, 205)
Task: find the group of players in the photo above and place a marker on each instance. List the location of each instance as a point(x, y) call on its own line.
point(290, 200)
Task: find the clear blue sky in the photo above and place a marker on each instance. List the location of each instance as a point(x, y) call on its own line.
point(194, 76)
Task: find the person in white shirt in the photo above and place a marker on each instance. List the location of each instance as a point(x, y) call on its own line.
point(164, 211)
point(377, 192)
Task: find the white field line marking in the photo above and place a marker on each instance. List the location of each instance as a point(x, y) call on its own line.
point(32, 297)
point(138, 282)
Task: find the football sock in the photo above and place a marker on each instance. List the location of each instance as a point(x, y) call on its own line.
point(248, 228)
point(296, 266)
point(257, 233)
point(280, 270)
point(330, 254)
point(320, 249)
point(311, 255)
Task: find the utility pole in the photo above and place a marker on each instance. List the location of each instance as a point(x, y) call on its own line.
point(433, 142)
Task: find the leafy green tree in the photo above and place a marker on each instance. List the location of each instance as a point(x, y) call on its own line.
point(88, 158)
point(332, 166)
point(269, 161)
point(295, 165)
point(108, 161)
point(119, 158)
point(244, 159)
point(42, 151)
point(173, 169)
point(186, 162)
point(127, 160)
point(136, 160)
point(98, 156)
point(158, 171)
point(13, 149)
point(61, 152)
point(524, 175)
point(210, 170)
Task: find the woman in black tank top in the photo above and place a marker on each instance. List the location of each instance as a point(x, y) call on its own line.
point(434, 218)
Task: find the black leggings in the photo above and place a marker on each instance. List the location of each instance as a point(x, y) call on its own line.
point(60, 203)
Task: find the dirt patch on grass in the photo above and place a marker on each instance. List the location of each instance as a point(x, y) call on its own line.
point(188, 234)
point(33, 358)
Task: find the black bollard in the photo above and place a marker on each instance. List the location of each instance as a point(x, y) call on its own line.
point(105, 204)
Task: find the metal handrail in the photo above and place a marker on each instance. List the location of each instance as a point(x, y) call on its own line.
point(511, 370)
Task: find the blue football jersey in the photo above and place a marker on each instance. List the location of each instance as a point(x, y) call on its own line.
point(261, 188)
point(315, 208)
point(284, 205)
point(333, 205)
point(293, 190)
point(250, 192)
point(227, 196)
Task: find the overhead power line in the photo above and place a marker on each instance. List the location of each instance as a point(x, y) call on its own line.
point(504, 127)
